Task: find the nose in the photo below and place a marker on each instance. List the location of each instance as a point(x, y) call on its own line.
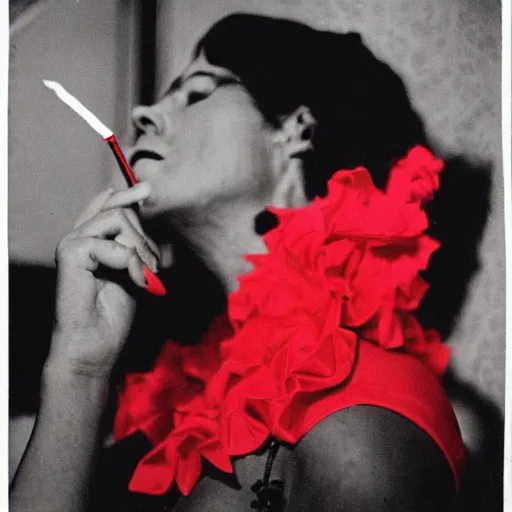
point(148, 119)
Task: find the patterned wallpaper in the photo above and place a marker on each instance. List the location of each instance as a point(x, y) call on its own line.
point(448, 55)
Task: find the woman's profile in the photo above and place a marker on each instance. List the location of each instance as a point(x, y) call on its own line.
point(289, 163)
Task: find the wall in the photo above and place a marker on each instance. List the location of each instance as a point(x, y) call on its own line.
point(448, 55)
point(56, 162)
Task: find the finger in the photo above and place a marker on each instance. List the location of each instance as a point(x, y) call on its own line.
point(129, 196)
point(134, 218)
point(90, 253)
point(166, 256)
point(115, 223)
point(94, 207)
point(119, 257)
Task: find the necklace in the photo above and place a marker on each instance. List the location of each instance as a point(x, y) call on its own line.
point(269, 494)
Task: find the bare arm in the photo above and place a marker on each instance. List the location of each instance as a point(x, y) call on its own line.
point(93, 319)
point(55, 470)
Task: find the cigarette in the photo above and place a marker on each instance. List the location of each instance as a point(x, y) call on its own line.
point(154, 285)
point(106, 133)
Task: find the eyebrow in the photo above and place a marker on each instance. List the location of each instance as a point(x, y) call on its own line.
point(178, 82)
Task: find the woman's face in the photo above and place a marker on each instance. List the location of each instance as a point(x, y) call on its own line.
point(204, 142)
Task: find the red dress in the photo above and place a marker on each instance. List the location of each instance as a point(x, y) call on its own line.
point(324, 321)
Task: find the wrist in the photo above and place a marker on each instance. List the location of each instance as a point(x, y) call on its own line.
point(59, 379)
point(67, 371)
point(72, 398)
point(80, 354)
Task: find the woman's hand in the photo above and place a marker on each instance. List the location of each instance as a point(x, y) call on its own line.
point(94, 314)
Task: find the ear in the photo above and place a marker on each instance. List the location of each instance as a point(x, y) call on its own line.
point(297, 131)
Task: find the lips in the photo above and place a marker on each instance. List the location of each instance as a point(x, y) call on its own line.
point(144, 153)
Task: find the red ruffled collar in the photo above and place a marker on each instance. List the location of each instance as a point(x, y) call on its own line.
point(342, 269)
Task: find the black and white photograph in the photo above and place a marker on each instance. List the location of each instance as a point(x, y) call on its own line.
point(256, 256)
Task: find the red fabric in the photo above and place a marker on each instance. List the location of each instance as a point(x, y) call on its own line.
point(341, 273)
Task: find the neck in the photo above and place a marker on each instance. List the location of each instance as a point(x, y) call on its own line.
point(221, 237)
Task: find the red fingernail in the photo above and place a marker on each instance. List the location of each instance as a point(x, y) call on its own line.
point(154, 285)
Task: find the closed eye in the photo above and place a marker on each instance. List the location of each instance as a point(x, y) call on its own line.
point(196, 96)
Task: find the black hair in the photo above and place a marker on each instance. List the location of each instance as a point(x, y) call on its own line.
point(364, 115)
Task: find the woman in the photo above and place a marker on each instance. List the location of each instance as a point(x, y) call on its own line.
point(307, 397)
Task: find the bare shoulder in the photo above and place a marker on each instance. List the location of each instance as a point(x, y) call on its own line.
point(369, 458)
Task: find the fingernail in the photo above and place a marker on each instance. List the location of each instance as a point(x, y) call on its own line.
point(153, 284)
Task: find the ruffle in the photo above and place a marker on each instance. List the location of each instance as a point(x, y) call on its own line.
point(340, 270)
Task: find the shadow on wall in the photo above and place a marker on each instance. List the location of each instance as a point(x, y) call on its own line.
point(457, 215)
